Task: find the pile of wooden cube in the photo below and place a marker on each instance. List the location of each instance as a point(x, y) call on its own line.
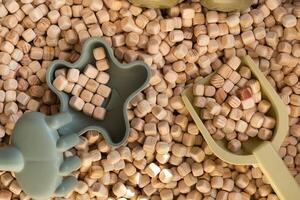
point(88, 89)
point(232, 107)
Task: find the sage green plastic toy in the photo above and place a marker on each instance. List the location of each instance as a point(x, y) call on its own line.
point(263, 154)
point(226, 5)
point(38, 141)
point(220, 5)
point(155, 3)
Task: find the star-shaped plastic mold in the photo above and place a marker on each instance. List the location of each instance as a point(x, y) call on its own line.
point(126, 80)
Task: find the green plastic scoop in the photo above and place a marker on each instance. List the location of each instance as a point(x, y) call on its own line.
point(263, 154)
point(38, 141)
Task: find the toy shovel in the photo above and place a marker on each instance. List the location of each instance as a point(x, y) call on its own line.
point(38, 141)
point(263, 154)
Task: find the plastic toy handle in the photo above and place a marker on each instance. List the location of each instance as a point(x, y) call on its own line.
point(155, 3)
point(59, 120)
point(11, 159)
point(226, 5)
point(282, 182)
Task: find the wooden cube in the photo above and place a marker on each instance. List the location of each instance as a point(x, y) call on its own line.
point(10, 108)
point(10, 84)
point(198, 89)
point(104, 90)
point(199, 102)
point(264, 106)
point(60, 83)
point(265, 134)
point(76, 103)
point(23, 98)
point(2, 96)
point(102, 65)
point(86, 96)
point(245, 72)
point(234, 77)
point(225, 71)
point(103, 78)
point(99, 53)
point(88, 109)
point(269, 122)
point(10, 95)
point(251, 132)
point(5, 194)
point(248, 37)
point(236, 114)
point(99, 113)
point(209, 91)
point(234, 62)
point(234, 146)
point(28, 35)
point(213, 108)
point(97, 100)
point(254, 85)
point(82, 80)
point(62, 71)
point(241, 126)
point(76, 90)
point(69, 87)
point(244, 93)
point(213, 30)
point(90, 71)
point(73, 75)
point(248, 103)
point(92, 85)
point(33, 105)
point(228, 85)
point(257, 120)
point(152, 170)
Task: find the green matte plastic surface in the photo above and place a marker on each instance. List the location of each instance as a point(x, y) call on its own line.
point(38, 141)
point(155, 3)
point(255, 151)
point(220, 5)
point(126, 80)
point(35, 137)
point(226, 5)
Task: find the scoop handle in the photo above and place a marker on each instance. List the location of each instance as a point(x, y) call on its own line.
point(282, 182)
